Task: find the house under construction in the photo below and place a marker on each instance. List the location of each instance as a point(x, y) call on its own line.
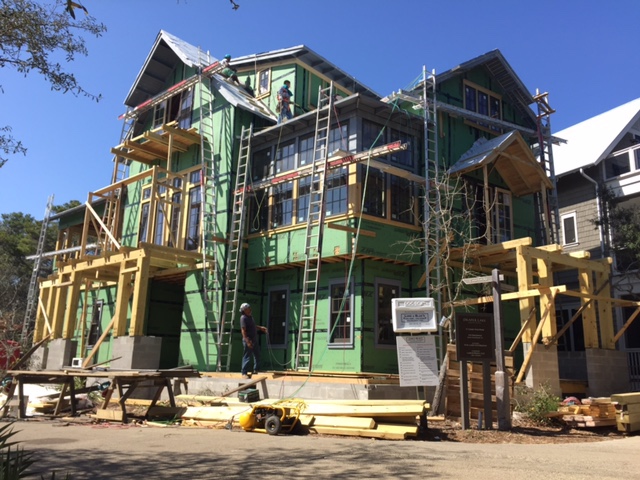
point(317, 222)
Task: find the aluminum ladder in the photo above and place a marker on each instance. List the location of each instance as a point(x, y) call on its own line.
point(234, 252)
point(314, 231)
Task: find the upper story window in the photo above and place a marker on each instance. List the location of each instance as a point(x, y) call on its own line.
point(484, 102)
point(374, 198)
point(260, 165)
point(306, 149)
point(622, 162)
point(402, 157)
point(285, 157)
point(502, 216)
point(264, 82)
point(372, 135)
point(338, 138)
point(569, 229)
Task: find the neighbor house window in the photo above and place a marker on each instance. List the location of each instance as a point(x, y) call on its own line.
point(617, 165)
point(569, 229)
point(278, 315)
point(385, 291)
point(340, 322)
point(503, 216)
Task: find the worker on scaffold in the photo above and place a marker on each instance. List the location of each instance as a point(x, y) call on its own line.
point(284, 101)
point(228, 71)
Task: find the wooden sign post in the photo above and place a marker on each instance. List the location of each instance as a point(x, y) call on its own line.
point(503, 403)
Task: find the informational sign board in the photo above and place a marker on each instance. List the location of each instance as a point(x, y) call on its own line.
point(413, 315)
point(417, 360)
point(474, 336)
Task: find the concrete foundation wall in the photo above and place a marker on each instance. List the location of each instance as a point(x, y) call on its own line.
point(59, 354)
point(544, 368)
point(136, 353)
point(607, 371)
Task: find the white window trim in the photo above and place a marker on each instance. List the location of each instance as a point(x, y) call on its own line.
point(564, 216)
point(260, 94)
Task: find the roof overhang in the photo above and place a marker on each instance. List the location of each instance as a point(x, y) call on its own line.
point(513, 160)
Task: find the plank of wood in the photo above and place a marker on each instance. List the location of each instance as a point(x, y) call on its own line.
point(306, 420)
point(626, 398)
point(245, 385)
point(160, 411)
point(395, 428)
point(217, 400)
point(355, 432)
point(628, 427)
point(628, 418)
point(344, 422)
point(629, 408)
point(214, 413)
point(362, 410)
point(102, 414)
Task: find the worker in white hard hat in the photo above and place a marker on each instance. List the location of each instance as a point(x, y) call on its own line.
point(249, 331)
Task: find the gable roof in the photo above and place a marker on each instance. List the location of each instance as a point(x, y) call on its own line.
point(498, 67)
point(166, 52)
point(591, 141)
point(513, 159)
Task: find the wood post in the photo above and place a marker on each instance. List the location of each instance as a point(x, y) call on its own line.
point(589, 313)
point(525, 279)
point(605, 315)
point(140, 290)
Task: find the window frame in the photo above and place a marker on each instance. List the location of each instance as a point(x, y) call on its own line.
point(266, 73)
point(496, 232)
point(194, 211)
point(348, 342)
point(566, 216)
point(273, 337)
point(95, 328)
point(494, 104)
point(377, 331)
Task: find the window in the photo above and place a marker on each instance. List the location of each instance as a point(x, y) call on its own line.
point(385, 291)
point(502, 217)
point(401, 199)
point(306, 150)
point(193, 217)
point(260, 164)
point(95, 329)
point(158, 238)
point(144, 216)
point(264, 82)
point(282, 205)
point(186, 106)
point(569, 230)
point(278, 314)
point(573, 338)
point(340, 325)
point(258, 213)
point(304, 190)
point(338, 139)
point(632, 333)
point(336, 193)
point(285, 157)
point(372, 135)
point(484, 102)
point(174, 222)
point(159, 112)
point(402, 157)
point(375, 189)
point(617, 165)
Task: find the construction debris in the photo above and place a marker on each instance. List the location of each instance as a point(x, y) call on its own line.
point(591, 413)
point(627, 411)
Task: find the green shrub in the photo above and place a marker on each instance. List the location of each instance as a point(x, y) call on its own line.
point(14, 461)
point(535, 404)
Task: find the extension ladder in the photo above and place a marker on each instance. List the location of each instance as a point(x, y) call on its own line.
point(234, 252)
point(314, 231)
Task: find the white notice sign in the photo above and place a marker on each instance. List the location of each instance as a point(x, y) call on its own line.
point(417, 360)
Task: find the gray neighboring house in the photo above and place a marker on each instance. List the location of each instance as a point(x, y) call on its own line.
point(601, 153)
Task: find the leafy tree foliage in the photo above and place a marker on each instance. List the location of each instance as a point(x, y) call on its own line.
point(33, 35)
point(621, 224)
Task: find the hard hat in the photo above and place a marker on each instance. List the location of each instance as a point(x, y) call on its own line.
point(247, 421)
point(244, 306)
point(227, 56)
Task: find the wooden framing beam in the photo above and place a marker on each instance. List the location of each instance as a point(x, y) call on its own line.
point(122, 300)
point(589, 322)
point(94, 350)
point(525, 279)
point(564, 259)
point(344, 228)
point(60, 305)
point(140, 289)
point(605, 312)
point(535, 292)
point(626, 325)
point(547, 300)
point(71, 312)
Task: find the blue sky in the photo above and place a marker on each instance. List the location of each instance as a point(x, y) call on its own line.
point(584, 53)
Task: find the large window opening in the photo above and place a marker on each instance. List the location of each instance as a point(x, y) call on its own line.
point(278, 315)
point(340, 324)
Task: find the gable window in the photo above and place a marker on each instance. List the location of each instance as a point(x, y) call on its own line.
point(282, 205)
point(285, 157)
point(385, 291)
point(264, 82)
point(278, 314)
point(374, 198)
point(482, 101)
point(340, 324)
point(503, 216)
point(193, 217)
point(569, 229)
point(622, 162)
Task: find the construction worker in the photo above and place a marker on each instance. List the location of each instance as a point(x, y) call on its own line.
point(284, 100)
point(249, 331)
point(228, 71)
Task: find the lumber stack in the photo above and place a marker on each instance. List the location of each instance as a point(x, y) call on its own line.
point(593, 412)
point(384, 419)
point(627, 411)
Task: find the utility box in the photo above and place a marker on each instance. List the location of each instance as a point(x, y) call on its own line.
point(249, 395)
point(413, 315)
